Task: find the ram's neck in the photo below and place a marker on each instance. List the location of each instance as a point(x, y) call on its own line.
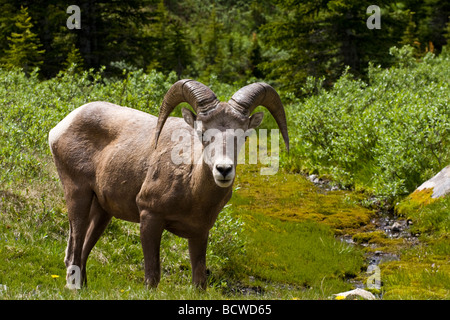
point(203, 181)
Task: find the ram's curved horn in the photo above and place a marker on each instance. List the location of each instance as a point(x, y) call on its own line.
point(246, 99)
point(201, 98)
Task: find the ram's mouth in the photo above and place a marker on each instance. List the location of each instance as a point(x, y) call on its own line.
point(224, 182)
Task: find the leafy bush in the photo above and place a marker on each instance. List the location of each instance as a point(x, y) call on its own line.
point(387, 134)
point(30, 108)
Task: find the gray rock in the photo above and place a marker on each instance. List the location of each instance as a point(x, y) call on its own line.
point(396, 227)
point(440, 183)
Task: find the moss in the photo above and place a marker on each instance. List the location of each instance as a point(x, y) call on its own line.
point(424, 270)
point(291, 197)
point(369, 237)
point(379, 241)
point(414, 201)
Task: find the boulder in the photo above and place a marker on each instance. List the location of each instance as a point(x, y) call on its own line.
point(427, 193)
point(440, 183)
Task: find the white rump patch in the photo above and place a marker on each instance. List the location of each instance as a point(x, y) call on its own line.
point(62, 126)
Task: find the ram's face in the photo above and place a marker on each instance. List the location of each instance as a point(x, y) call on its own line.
point(222, 132)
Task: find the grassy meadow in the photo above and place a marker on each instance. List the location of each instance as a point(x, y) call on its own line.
point(251, 254)
point(279, 236)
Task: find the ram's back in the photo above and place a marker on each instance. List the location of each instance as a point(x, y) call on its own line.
point(95, 130)
point(106, 148)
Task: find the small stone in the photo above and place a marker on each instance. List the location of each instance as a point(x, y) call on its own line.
point(354, 294)
point(396, 227)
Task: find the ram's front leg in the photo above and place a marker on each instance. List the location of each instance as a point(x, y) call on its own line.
point(151, 229)
point(197, 253)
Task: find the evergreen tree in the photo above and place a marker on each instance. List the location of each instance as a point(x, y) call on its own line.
point(255, 58)
point(179, 51)
point(24, 46)
point(210, 52)
point(431, 17)
point(321, 38)
point(212, 36)
point(74, 61)
point(410, 35)
point(447, 34)
point(8, 12)
point(171, 48)
point(113, 32)
point(196, 38)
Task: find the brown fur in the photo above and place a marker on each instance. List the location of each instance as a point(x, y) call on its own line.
point(109, 167)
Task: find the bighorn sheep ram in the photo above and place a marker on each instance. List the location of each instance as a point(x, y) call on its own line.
point(110, 167)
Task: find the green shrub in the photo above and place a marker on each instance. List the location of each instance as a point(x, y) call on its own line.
point(29, 108)
point(387, 135)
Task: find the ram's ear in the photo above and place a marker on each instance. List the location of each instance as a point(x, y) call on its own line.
point(255, 120)
point(188, 116)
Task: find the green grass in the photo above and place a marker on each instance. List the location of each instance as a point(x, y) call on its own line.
point(424, 270)
point(251, 255)
point(34, 225)
point(277, 239)
point(302, 254)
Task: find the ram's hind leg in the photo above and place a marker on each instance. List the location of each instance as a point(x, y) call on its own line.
point(99, 220)
point(78, 200)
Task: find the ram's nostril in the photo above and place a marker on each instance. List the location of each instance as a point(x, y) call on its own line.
point(224, 169)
